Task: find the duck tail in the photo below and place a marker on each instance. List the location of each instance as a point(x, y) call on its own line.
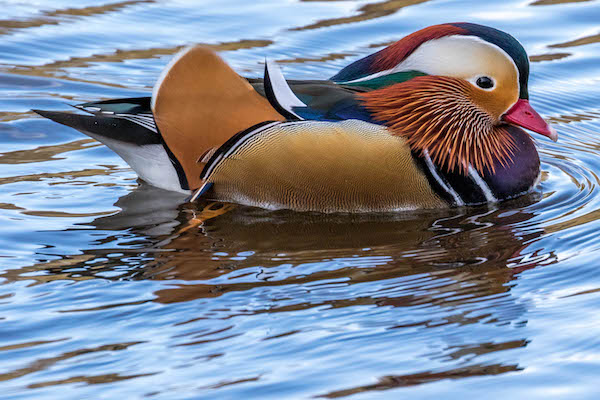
point(197, 105)
point(134, 138)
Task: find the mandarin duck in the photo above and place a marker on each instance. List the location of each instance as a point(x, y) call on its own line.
point(431, 121)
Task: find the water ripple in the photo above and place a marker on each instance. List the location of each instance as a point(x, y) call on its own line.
point(108, 288)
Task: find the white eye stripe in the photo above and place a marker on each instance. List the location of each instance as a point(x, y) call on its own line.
point(445, 57)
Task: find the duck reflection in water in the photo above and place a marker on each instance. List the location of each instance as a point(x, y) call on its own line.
point(460, 261)
point(483, 246)
point(457, 266)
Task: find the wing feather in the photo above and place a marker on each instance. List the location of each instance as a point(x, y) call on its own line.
point(199, 103)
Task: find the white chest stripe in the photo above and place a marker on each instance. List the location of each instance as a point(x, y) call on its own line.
point(441, 182)
point(485, 189)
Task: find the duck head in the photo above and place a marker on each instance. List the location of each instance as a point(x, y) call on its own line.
point(451, 90)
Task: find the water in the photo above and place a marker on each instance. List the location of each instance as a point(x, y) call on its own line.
point(101, 298)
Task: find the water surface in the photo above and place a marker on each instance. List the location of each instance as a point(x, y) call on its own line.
point(109, 290)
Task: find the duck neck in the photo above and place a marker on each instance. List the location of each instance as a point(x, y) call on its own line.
point(507, 180)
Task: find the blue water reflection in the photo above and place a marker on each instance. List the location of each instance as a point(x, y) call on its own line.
point(108, 290)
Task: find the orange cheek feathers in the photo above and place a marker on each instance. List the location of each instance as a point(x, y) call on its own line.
point(444, 116)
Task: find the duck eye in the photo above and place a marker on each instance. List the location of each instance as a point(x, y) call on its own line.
point(484, 82)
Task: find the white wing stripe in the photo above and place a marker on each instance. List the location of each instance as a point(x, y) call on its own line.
point(146, 122)
point(281, 90)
